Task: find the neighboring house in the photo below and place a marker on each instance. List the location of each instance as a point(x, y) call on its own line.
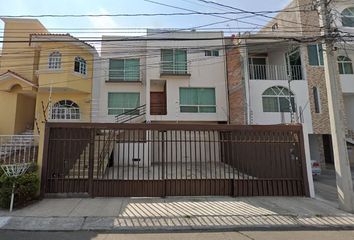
point(43, 77)
point(168, 80)
point(267, 65)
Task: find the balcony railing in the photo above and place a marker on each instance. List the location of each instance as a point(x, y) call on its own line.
point(115, 75)
point(63, 113)
point(174, 68)
point(275, 72)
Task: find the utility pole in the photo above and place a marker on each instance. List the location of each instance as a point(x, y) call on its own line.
point(341, 160)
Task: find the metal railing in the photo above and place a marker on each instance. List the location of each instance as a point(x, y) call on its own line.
point(275, 72)
point(131, 114)
point(18, 148)
point(123, 75)
point(62, 113)
point(174, 68)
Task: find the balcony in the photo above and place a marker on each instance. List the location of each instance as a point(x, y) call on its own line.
point(169, 68)
point(275, 72)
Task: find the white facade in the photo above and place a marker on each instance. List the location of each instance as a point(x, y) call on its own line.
point(202, 72)
point(274, 74)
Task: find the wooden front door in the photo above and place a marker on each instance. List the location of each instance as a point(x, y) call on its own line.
point(158, 103)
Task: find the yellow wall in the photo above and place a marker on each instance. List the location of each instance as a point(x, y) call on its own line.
point(65, 77)
point(8, 103)
point(24, 113)
point(20, 57)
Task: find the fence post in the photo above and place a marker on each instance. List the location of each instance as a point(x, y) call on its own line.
point(91, 161)
point(44, 160)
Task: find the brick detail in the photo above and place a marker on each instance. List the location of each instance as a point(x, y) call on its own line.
point(235, 85)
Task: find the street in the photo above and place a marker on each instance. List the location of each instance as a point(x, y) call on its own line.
point(249, 235)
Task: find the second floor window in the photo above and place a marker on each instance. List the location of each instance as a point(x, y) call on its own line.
point(315, 54)
point(345, 65)
point(80, 65)
point(54, 60)
point(124, 70)
point(173, 61)
point(348, 17)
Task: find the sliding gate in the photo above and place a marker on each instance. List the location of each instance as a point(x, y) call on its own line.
point(124, 160)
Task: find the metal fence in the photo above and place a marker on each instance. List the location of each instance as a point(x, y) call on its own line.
point(173, 159)
point(18, 148)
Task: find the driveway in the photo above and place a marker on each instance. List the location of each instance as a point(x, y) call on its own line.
point(325, 185)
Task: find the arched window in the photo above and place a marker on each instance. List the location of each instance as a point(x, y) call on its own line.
point(348, 17)
point(276, 99)
point(54, 60)
point(345, 65)
point(80, 65)
point(65, 109)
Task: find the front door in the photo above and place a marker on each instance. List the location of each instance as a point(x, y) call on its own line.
point(158, 103)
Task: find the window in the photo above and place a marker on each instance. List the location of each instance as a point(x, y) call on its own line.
point(173, 61)
point(119, 103)
point(197, 100)
point(276, 99)
point(315, 53)
point(214, 53)
point(54, 60)
point(80, 65)
point(345, 65)
point(316, 98)
point(124, 70)
point(348, 17)
point(65, 110)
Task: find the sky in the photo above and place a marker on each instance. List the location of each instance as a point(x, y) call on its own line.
point(38, 7)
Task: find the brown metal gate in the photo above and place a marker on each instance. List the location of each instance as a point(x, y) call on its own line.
point(124, 160)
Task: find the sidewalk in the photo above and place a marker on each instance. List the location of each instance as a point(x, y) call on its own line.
point(177, 214)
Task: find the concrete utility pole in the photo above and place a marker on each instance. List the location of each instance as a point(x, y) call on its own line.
point(341, 160)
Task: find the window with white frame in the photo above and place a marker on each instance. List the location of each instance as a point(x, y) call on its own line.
point(212, 53)
point(80, 65)
point(345, 65)
point(124, 70)
point(197, 100)
point(54, 60)
point(173, 61)
point(315, 54)
point(65, 110)
point(276, 99)
point(123, 102)
point(348, 17)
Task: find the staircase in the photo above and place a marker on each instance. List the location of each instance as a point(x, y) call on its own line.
point(102, 153)
point(18, 148)
point(135, 115)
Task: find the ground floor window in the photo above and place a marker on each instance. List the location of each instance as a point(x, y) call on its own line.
point(197, 100)
point(65, 110)
point(122, 102)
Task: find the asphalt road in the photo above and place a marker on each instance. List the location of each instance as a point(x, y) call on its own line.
point(257, 235)
point(325, 185)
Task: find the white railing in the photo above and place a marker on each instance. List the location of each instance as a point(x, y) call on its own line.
point(175, 68)
point(64, 113)
point(18, 148)
point(123, 75)
point(275, 72)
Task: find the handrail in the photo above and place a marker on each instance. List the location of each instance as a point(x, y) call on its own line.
point(130, 115)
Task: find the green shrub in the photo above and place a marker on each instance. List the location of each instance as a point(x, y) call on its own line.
point(26, 189)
